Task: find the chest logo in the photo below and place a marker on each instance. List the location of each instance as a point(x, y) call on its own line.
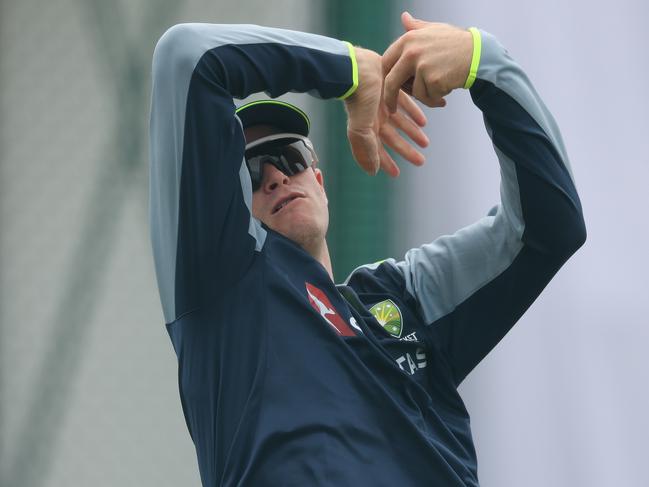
point(388, 315)
point(323, 306)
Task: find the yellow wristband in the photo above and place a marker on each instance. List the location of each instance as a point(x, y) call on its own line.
point(475, 59)
point(352, 88)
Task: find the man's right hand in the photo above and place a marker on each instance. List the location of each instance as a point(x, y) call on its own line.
point(370, 125)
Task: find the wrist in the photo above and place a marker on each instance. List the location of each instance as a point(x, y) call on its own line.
point(368, 72)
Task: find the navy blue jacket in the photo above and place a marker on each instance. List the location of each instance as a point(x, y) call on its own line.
point(285, 378)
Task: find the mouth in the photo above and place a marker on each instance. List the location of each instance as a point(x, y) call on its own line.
point(282, 203)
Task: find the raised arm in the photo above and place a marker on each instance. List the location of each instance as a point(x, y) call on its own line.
point(202, 231)
point(474, 285)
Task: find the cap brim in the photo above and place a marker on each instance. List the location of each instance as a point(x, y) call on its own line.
point(279, 114)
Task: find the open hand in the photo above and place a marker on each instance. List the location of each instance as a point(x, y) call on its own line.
point(370, 125)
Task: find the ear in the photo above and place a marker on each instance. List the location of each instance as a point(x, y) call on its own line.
point(319, 177)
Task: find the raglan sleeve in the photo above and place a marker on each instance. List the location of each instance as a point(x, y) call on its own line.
point(473, 286)
point(203, 235)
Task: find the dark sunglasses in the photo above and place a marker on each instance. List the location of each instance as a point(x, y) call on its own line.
point(290, 153)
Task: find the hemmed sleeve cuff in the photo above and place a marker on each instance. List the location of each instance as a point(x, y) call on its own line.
point(352, 56)
point(475, 59)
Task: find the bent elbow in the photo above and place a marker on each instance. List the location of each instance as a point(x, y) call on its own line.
point(175, 51)
point(574, 237)
point(559, 235)
point(569, 237)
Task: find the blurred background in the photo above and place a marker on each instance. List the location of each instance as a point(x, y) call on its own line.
point(88, 391)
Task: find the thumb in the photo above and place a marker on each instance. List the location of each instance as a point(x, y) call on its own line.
point(411, 23)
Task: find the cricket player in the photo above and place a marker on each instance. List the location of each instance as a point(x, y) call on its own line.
point(287, 379)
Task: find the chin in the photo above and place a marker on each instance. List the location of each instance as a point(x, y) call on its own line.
point(301, 235)
point(305, 232)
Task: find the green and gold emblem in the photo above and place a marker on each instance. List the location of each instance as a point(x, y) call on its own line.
point(389, 317)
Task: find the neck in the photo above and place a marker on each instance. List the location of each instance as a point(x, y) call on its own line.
point(321, 254)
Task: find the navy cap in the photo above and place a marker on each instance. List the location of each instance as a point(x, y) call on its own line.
point(279, 114)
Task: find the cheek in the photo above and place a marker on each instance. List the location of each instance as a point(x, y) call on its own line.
point(257, 205)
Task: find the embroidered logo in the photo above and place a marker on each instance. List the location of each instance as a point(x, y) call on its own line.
point(389, 317)
point(323, 306)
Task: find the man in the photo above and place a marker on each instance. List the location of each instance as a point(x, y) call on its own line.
point(285, 378)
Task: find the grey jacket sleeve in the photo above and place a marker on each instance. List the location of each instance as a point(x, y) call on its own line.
point(203, 234)
point(473, 286)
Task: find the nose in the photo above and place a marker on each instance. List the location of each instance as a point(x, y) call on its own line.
point(272, 178)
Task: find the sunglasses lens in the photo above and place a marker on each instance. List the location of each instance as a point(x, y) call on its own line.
point(256, 167)
point(293, 159)
point(291, 156)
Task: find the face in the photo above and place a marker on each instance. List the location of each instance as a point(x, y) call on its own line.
point(294, 206)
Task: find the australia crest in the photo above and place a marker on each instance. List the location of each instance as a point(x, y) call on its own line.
point(388, 314)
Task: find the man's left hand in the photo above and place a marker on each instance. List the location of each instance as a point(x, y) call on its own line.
point(429, 61)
